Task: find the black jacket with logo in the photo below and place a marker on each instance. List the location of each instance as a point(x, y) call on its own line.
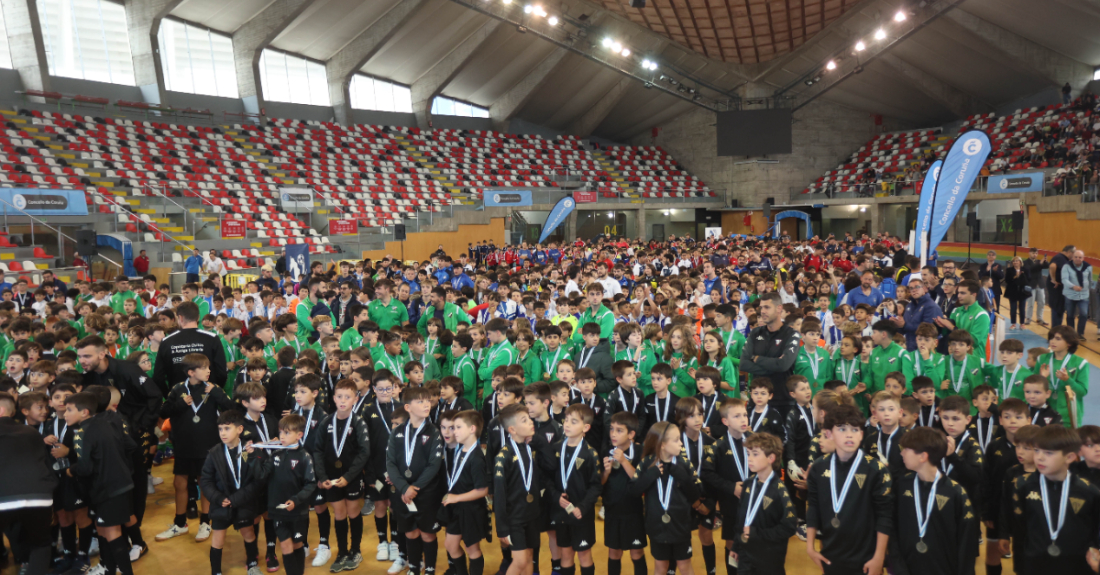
point(141, 398)
point(217, 484)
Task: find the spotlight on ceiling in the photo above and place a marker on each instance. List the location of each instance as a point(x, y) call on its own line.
point(860, 46)
point(880, 34)
point(616, 47)
point(540, 11)
point(626, 52)
point(553, 20)
point(606, 42)
point(528, 9)
point(900, 16)
point(831, 65)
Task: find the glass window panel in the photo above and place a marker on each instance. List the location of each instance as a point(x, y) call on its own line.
point(5, 53)
point(87, 39)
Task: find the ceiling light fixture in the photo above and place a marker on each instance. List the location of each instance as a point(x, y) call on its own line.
point(900, 16)
point(831, 65)
point(880, 34)
point(553, 20)
point(626, 52)
point(616, 47)
point(606, 42)
point(860, 46)
point(528, 9)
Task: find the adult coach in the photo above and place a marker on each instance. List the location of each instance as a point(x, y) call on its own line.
point(1055, 298)
point(26, 494)
point(771, 350)
point(921, 309)
point(168, 370)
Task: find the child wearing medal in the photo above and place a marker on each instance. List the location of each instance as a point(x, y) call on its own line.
point(232, 481)
point(334, 456)
point(1056, 511)
point(937, 528)
point(575, 488)
point(624, 524)
point(849, 500)
point(517, 481)
point(192, 407)
point(726, 469)
point(767, 519)
point(671, 492)
point(259, 428)
point(463, 511)
point(697, 447)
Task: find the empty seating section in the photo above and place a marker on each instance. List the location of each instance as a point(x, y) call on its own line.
point(888, 154)
point(652, 173)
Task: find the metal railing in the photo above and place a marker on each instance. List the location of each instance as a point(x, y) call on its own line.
point(603, 196)
point(137, 218)
point(59, 233)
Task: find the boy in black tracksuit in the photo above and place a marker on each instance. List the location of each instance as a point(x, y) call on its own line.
point(258, 427)
point(964, 464)
point(307, 403)
point(999, 458)
point(626, 397)
point(726, 469)
point(290, 485)
point(763, 418)
point(661, 404)
point(414, 461)
point(231, 475)
point(574, 489)
point(767, 519)
point(341, 451)
point(464, 512)
point(854, 536)
point(948, 542)
point(517, 481)
point(378, 415)
point(192, 407)
point(597, 433)
point(624, 523)
point(800, 428)
point(548, 432)
point(281, 382)
point(104, 465)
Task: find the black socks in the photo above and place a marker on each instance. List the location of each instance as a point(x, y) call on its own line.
point(640, 566)
point(120, 548)
point(590, 570)
point(380, 527)
point(215, 561)
point(204, 518)
point(252, 553)
point(68, 539)
point(134, 533)
point(570, 570)
point(342, 536)
point(181, 520)
point(356, 524)
point(993, 570)
point(269, 536)
point(709, 559)
point(324, 527)
point(477, 566)
point(415, 548)
point(431, 556)
point(614, 566)
point(84, 541)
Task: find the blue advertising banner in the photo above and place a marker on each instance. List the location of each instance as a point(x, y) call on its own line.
point(507, 198)
point(557, 216)
point(40, 202)
point(924, 211)
point(960, 168)
point(1016, 183)
point(297, 260)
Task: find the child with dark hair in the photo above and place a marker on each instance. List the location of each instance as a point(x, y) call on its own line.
point(765, 528)
point(763, 418)
point(624, 524)
point(233, 482)
point(290, 485)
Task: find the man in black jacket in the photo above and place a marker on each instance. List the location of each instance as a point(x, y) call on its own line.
point(168, 371)
point(26, 494)
point(141, 398)
point(770, 351)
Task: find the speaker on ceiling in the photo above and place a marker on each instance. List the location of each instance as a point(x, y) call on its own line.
point(637, 3)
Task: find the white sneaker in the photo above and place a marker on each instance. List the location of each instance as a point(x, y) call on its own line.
point(397, 567)
point(395, 553)
point(93, 550)
point(305, 551)
point(157, 480)
point(322, 556)
point(150, 489)
point(99, 569)
point(383, 552)
point(602, 512)
point(135, 553)
point(254, 570)
point(204, 532)
point(172, 531)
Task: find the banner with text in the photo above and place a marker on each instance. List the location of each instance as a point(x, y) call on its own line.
point(507, 199)
point(296, 200)
point(36, 202)
point(1016, 183)
point(233, 229)
point(557, 216)
point(343, 227)
point(960, 168)
point(924, 211)
point(584, 197)
point(297, 260)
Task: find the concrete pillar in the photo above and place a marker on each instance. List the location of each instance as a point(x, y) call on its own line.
point(249, 41)
point(428, 86)
point(342, 67)
point(590, 120)
point(507, 105)
point(960, 103)
point(1041, 60)
point(878, 218)
point(642, 231)
point(143, 18)
point(28, 49)
point(571, 227)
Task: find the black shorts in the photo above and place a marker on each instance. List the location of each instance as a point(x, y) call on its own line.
point(425, 519)
point(670, 551)
point(376, 495)
point(466, 519)
point(580, 535)
point(524, 536)
point(699, 520)
point(294, 529)
point(115, 511)
point(354, 490)
point(624, 532)
point(221, 524)
point(189, 466)
point(69, 495)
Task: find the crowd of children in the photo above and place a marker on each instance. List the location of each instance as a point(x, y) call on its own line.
point(534, 401)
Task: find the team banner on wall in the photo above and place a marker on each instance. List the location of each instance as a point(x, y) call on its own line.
point(960, 168)
point(232, 229)
point(508, 198)
point(585, 197)
point(1016, 183)
point(39, 202)
point(296, 200)
point(557, 216)
point(924, 211)
point(297, 260)
point(343, 227)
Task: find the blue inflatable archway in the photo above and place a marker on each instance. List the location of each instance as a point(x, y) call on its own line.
point(793, 214)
